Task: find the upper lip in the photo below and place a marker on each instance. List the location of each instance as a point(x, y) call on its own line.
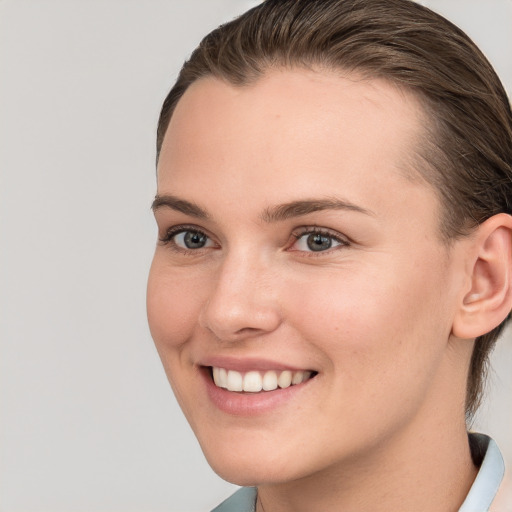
point(248, 364)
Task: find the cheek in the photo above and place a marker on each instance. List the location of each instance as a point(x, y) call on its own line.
point(173, 305)
point(374, 324)
point(381, 343)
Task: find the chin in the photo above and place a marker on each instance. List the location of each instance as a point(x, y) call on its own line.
point(249, 470)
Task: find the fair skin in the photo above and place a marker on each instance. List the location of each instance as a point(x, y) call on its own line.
point(294, 239)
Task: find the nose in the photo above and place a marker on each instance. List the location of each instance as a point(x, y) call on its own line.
point(243, 300)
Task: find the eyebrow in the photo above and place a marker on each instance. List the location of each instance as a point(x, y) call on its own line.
point(304, 207)
point(272, 214)
point(180, 205)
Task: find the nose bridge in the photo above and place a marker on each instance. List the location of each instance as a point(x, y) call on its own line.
point(242, 301)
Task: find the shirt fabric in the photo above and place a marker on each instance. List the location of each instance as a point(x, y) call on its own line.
point(485, 453)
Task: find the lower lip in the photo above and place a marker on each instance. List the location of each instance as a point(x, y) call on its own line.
point(250, 404)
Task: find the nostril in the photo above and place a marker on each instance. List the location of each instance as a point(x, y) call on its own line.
point(247, 330)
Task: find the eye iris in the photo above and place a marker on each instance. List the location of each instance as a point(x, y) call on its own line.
point(194, 240)
point(319, 242)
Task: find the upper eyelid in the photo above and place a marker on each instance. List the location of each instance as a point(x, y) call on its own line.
point(306, 230)
point(186, 227)
point(172, 231)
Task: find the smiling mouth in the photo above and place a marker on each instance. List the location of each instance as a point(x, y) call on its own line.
point(258, 381)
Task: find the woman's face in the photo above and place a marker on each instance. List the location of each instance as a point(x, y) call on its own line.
point(297, 242)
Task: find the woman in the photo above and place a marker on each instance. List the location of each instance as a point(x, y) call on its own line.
point(334, 260)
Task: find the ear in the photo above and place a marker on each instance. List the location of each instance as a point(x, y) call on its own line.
point(489, 299)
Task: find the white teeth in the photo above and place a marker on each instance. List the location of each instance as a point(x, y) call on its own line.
point(216, 377)
point(270, 381)
point(220, 377)
point(285, 379)
point(255, 381)
point(235, 381)
point(223, 377)
point(297, 378)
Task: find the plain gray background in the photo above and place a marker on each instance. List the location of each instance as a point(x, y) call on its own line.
point(88, 421)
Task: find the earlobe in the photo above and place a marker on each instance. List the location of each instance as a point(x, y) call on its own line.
point(489, 300)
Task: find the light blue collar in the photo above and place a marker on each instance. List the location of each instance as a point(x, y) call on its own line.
point(487, 482)
point(479, 499)
point(244, 500)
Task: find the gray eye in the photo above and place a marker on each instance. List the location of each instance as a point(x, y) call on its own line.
point(318, 242)
point(191, 240)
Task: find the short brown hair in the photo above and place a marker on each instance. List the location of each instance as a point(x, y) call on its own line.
point(466, 154)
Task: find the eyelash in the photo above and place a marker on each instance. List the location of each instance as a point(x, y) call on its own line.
point(167, 239)
point(308, 230)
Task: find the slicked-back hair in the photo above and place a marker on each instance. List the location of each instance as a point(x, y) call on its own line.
point(466, 150)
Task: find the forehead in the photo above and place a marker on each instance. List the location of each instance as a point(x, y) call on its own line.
point(319, 131)
point(283, 101)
